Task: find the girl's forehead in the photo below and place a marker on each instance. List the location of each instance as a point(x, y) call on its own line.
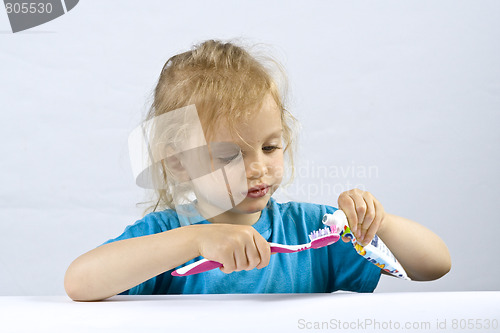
point(257, 126)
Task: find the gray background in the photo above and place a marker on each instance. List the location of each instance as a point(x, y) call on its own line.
point(407, 91)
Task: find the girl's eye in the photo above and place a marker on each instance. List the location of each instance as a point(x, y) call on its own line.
point(227, 159)
point(269, 149)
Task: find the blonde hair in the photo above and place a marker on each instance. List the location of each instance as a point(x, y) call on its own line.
point(223, 81)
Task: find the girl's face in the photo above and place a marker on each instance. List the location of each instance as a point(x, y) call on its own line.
point(253, 167)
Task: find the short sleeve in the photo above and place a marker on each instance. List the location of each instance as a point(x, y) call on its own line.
point(151, 224)
point(148, 225)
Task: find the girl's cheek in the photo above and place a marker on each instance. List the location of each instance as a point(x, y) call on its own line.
point(278, 167)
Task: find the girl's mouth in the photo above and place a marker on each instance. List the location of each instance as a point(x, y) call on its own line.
point(258, 191)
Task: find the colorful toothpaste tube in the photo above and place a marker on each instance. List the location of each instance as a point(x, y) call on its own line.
point(375, 252)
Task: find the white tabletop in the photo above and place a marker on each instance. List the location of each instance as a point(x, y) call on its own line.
point(337, 312)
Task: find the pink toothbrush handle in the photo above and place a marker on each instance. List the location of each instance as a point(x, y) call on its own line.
point(199, 266)
point(205, 265)
point(280, 248)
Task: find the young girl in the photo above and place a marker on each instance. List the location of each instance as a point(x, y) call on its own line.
point(219, 132)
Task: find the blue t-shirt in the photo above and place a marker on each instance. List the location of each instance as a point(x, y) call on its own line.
point(331, 268)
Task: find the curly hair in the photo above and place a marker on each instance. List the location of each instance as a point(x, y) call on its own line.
point(223, 81)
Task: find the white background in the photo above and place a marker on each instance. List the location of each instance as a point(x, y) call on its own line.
point(408, 91)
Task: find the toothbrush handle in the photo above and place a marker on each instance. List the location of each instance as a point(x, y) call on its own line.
point(281, 248)
point(204, 265)
point(196, 267)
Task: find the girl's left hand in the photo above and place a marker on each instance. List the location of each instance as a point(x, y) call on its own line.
point(364, 213)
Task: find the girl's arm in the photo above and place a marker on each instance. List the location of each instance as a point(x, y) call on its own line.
point(421, 252)
point(115, 267)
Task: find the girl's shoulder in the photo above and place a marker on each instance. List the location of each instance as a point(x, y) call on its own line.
point(152, 223)
point(166, 219)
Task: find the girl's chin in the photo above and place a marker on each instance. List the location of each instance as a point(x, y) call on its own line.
point(251, 205)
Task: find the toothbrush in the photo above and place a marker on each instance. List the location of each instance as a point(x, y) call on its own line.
point(319, 238)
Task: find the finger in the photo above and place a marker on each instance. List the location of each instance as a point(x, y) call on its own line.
point(264, 250)
point(375, 225)
point(253, 256)
point(240, 258)
point(346, 204)
point(228, 263)
point(360, 208)
point(368, 218)
point(370, 233)
point(346, 239)
point(380, 213)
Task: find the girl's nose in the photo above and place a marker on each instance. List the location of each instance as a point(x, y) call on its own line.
point(256, 168)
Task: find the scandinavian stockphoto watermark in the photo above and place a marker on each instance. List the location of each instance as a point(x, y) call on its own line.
point(25, 15)
point(320, 180)
point(376, 325)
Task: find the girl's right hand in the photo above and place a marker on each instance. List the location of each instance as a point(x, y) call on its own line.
point(236, 247)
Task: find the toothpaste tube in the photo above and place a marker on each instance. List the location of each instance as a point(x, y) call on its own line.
point(376, 252)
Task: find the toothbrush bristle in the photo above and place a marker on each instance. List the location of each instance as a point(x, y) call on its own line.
point(320, 233)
